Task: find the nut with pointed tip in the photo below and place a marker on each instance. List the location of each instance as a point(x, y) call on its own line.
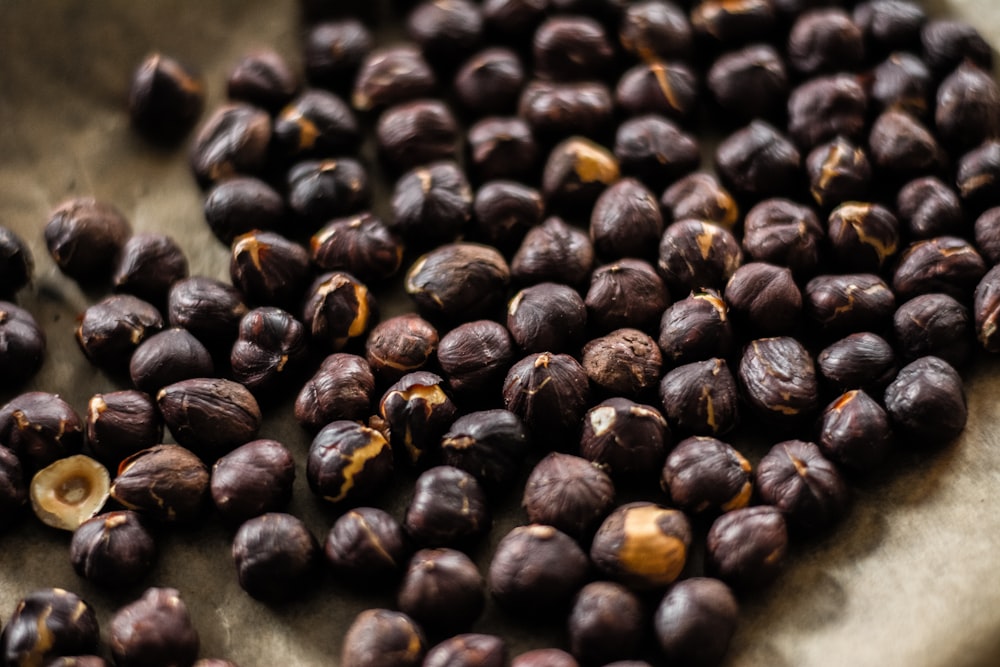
point(448, 509)
point(233, 141)
point(316, 123)
point(111, 330)
point(569, 493)
point(536, 570)
point(120, 423)
point(40, 428)
point(252, 479)
point(707, 475)
point(165, 98)
point(458, 281)
point(400, 345)
point(417, 412)
point(628, 438)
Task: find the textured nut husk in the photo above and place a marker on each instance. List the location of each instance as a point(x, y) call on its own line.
point(703, 474)
point(383, 638)
point(69, 491)
point(746, 547)
point(642, 545)
point(569, 493)
point(40, 428)
point(442, 590)
point(348, 462)
point(113, 550)
point(167, 482)
point(48, 623)
point(276, 557)
point(154, 631)
point(210, 416)
point(342, 388)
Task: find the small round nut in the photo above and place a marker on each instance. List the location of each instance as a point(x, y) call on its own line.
point(70, 491)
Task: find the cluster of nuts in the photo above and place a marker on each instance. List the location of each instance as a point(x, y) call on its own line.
point(825, 284)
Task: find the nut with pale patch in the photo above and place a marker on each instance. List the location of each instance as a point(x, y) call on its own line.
point(367, 546)
point(629, 438)
point(268, 268)
point(360, 245)
point(778, 379)
point(417, 412)
point(348, 462)
point(946, 264)
point(489, 444)
point(111, 330)
point(113, 550)
point(400, 345)
point(642, 545)
point(666, 88)
point(839, 171)
point(167, 482)
point(69, 491)
point(703, 475)
point(695, 254)
point(40, 428)
point(862, 236)
point(383, 638)
point(577, 172)
point(854, 431)
point(458, 281)
point(316, 123)
point(48, 623)
point(271, 346)
point(701, 398)
point(837, 305)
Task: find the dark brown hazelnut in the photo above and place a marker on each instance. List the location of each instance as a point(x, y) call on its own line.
point(120, 423)
point(902, 81)
point(968, 107)
point(747, 547)
point(546, 317)
point(550, 392)
point(854, 431)
point(889, 24)
point(321, 190)
point(490, 445)
point(807, 488)
point(986, 308)
point(209, 309)
point(703, 474)
point(113, 550)
point(392, 75)
point(416, 133)
point(627, 438)
point(84, 236)
point(945, 264)
point(445, 29)
point(22, 344)
point(271, 346)
point(431, 204)
point(165, 482)
point(826, 107)
point(763, 299)
point(926, 402)
point(824, 40)
point(262, 77)
point(13, 488)
point(443, 591)
point(701, 398)
point(934, 324)
point(400, 345)
point(838, 305)
point(48, 623)
point(383, 638)
point(782, 232)
point(16, 263)
point(948, 42)
point(458, 281)
point(862, 237)
point(338, 308)
point(165, 98)
point(468, 650)
point(625, 361)
point(505, 211)
point(642, 545)
point(655, 29)
point(416, 412)
point(154, 631)
point(317, 123)
point(490, 82)
point(978, 173)
point(367, 546)
point(733, 21)
point(987, 232)
point(626, 221)
point(545, 657)
point(475, 355)
point(555, 110)
point(208, 415)
point(576, 173)
point(696, 620)
point(694, 254)
point(570, 493)
point(750, 82)
point(501, 147)
point(109, 331)
point(696, 328)
point(233, 141)
point(240, 205)
point(699, 196)
point(571, 47)
point(669, 89)
point(606, 623)
point(334, 50)
point(514, 19)
point(859, 361)
point(276, 557)
point(902, 147)
point(655, 150)
point(757, 161)
point(625, 294)
point(167, 357)
point(361, 245)
point(930, 208)
point(268, 268)
point(448, 509)
point(839, 171)
point(553, 251)
point(40, 428)
point(778, 379)
point(253, 479)
point(536, 570)
point(348, 462)
point(148, 265)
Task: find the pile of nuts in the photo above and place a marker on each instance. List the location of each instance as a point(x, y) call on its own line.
point(588, 302)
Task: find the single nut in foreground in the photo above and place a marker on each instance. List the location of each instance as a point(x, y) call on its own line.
point(569, 493)
point(167, 357)
point(550, 393)
point(252, 479)
point(442, 590)
point(695, 254)
point(627, 438)
point(707, 475)
point(606, 623)
point(271, 346)
point(23, 346)
point(348, 462)
point(475, 356)
point(926, 402)
point(276, 557)
point(84, 236)
point(233, 141)
point(367, 546)
point(459, 281)
point(796, 478)
point(165, 98)
point(154, 631)
point(400, 345)
point(696, 620)
point(40, 428)
point(48, 623)
point(113, 550)
point(383, 638)
point(210, 416)
point(746, 547)
point(268, 269)
point(854, 431)
point(110, 331)
point(70, 491)
point(342, 388)
point(208, 308)
point(448, 509)
point(625, 362)
point(489, 444)
point(148, 265)
point(701, 398)
point(167, 482)
point(642, 545)
point(696, 328)
point(778, 379)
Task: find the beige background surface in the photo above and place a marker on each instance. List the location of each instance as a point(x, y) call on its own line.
point(909, 578)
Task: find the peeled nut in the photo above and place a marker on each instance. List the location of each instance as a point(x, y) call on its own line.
point(69, 491)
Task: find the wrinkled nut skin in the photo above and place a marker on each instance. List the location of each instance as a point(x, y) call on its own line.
point(400, 345)
point(154, 631)
point(367, 546)
point(253, 479)
point(13, 487)
point(121, 423)
point(656, 151)
point(695, 255)
point(625, 362)
point(458, 281)
point(110, 331)
point(48, 623)
point(986, 309)
point(271, 346)
point(796, 478)
point(468, 650)
point(316, 123)
point(628, 439)
point(415, 133)
point(751, 82)
point(570, 493)
point(166, 482)
point(556, 110)
point(391, 75)
point(489, 82)
point(489, 444)
point(695, 621)
point(210, 416)
point(276, 557)
point(576, 172)
point(148, 265)
point(670, 89)
point(536, 570)
point(838, 305)
point(746, 547)
point(758, 161)
point(209, 309)
point(936, 325)
point(360, 245)
point(333, 51)
point(778, 379)
point(699, 196)
point(701, 398)
point(783, 232)
point(642, 545)
point(40, 428)
point(22, 344)
point(233, 141)
point(862, 360)
point(926, 402)
point(862, 237)
point(448, 509)
point(826, 107)
point(606, 623)
point(348, 462)
point(978, 171)
point(504, 211)
point(113, 550)
point(84, 236)
point(763, 299)
point(475, 355)
point(431, 204)
point(262, 77)
point(546, 317)
point(416, 411)
point(268, 269)
point(240, 205)
point(319, 190)
point(825, 39)
point(947, 42)
point(902, 81)
point(987, 231)
point(165, 98)
point(342, 388)
point(928, 208)
point(839, 171)
point(732, 20)
point(703, 475)
point(656, 30)
point(854, 431)
point(626, 221)
point(383, 638)
point(550, 393)
point(553, 252)
point(945, 264)
point(442, 590)
point(696, 328)
point(167, 357)
point(887, 25)
point(625, 294)
point(968, 107)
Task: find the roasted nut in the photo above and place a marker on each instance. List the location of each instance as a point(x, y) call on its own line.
point(368, 546)
point(986, 308)
point(165, 98)
point(785, 233)
point(121, 423)
point(338, 308)
point(839, 171)
point(84, 236)
point(148, 265)
point(576, 172)
point(692, 610)
point(826, 107)
point(253, 479)
point(13, 488)
point(823, 40)
point(348, 462)
point(626, 438)
point(505, 211)
point(46, 624)
point(926, 402)
point(209, 309)
point(445, 30)
point(113, 550)
point(569, 493)
point(934, 324)
point(902, 147)
point(448, 509)
point(545, 657)
point(468, 650)
point(458, 281)
point(655, 150)
point(862, 237)
point(475, 355)
point(746, 547)
point(268, 268)
point(700, 398)
point(167, 357)
point(240, 205)
point(696, 328)
point(334, 50)
point(654, 29)
point(757, 161)
point(546, 317)
point(490, 82)
point(536, 570)
point(750, 82)
point(550, 392)
point(968, 107)
point(208, 415)
point(553, 252)
point(987, 231)
point(416, 412)
point(69, 491)
point(556, 110)
point(945, 264)
point(489, 444)
point(642, 545)
point(707, 475)
point(416, 133)
point(383, 638)
point(22, 344)
point(889, 24)
point(501, 147)
point(571, 47)
point(233, 141)
point(431, 204)
point(513, 19)
point(166, 482)
point(606, 623)
point(949, 42)
point(400, 345)
point(316, 123)
point(763, 299)
point(929, 208)
point(626, 221)
point(271, 345)
point(16, 263)
point(699, 196)
point(262, 77)
point(154, 631)
point(808, 489)
point(733, 21)
point(276, 557)
point(902, 81)
point(862, 360)
point(854, 431)
point(626, 361)
point(360, 245)
point(390, 76)
point(321, 190)
point(696, 254)
point(625, 294)
point(40, 428)
point(111, 330)
point(778, 379)
point(842, 304)
point(442, 590)
point(666, 88)
point(978, 171)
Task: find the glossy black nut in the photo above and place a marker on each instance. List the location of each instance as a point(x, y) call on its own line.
point(854, 431)
point(445, 30)
point(113, 550)
point(570, 493)
point(699, 196)
point(154, 631)
point(926, 402)
point(545, 657)
point(46, 624)
point(209, 415)
point(626, 438)
point(733, 21)
point(783, 232)
point(888, 25)
point(553, 251)
point(625, 362)
point(655, 150)
point(656, 30)
point(555, 110)
point(208, 308)
point(148, 266)
point(316, 123)
point(321, 190)
point(262, 77)
point(605, 623)
point(22, 344)
point(416, 412)
point(863, 237)
point(233, 141)
point(348, 462)
point(669, 89)
point(928, 207)
point(947, 43)
point(271, 345)
point(550, 392)
point(165, 98)
point(458, 281)
point(945, 264)
point(475, 355)
point(839, 171)
point(987, 233)
point(367, 546)
point(268, 268)
point(448, 509)
point(843, 304)
point(642, 545)
point(694, 254)
point(826, 107)
point(978, 172)
point(795, 477)
point(468, 650)
point(904, 82)
point(535, 570)
point(701, 397)
point(167, 357)
point(567, 48)
point(253, 479)
point(489, 444)
point(577, 172)
point(383, 638)
point(390, 76)
point(334, 50)
point(489, 83)
point(361, 245)
point(901, 146)
point(825, 40)
point(703, 474)
point(505, 211)
point(166, 482)
point(626, 221)
point(934, 324)
point(763, 299)
point(696, 328)
point(276, 557)
point(758, 161)
point(546, 317)
point(416, 133)
point(40, 428)
point(431, 204)
point(778, 379)
point(120, 423)
point(860, 360)
point(986, 309)
point(13, 487)
point(400, 345)
point(746, 547)
point(625, 294)
point(16, 263)
point(84, 236)
point(502, 147)
point(110, 331)
point(750, 82)
point(691, 611)
point(443, 591)
point(968, 107)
